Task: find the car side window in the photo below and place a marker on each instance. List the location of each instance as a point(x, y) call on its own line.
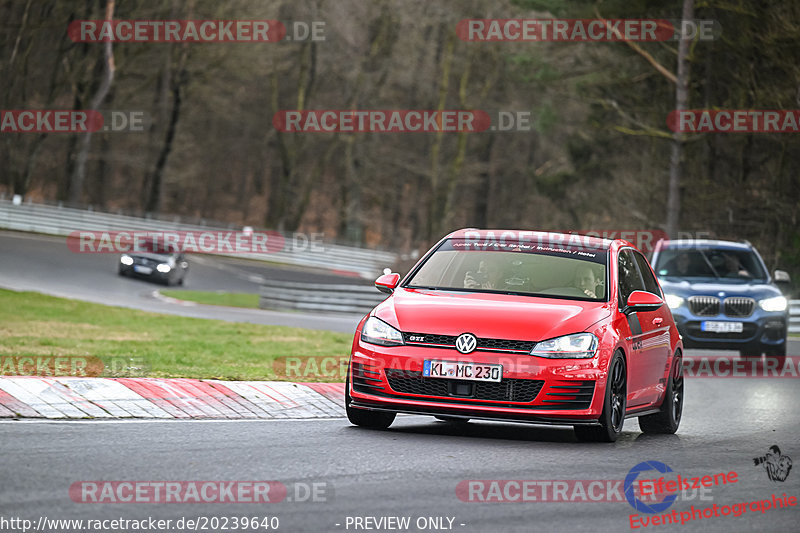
point(629, 279)
point(650, 283)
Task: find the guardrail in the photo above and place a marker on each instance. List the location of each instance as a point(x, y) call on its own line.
point(55, 220)
point(284, 295)
point(794, 316)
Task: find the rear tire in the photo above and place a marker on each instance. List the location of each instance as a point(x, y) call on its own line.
point(667, 420)
point(613, 416)
point(364, 417)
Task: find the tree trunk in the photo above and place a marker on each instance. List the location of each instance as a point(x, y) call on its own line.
point(79, 174)
point(676, 154)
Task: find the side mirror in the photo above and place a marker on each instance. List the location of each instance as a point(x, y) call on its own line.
point(783, 281)
point(388, 282)
point(643, 301)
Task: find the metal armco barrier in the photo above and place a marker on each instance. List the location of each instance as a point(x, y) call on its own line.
point(794, 316)
point(54, 220)
point(284, 295)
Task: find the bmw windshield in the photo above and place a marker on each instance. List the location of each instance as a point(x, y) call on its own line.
point(530, 269)
point(715, 263)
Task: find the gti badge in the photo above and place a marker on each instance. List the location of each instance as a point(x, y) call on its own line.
point(466, 342)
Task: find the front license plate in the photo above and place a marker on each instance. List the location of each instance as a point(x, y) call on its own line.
point(722, 327)
point(469, 371)
point(139, 269)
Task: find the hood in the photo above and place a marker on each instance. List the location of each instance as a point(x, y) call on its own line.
point(159, 258)
point(757, 289)
point(496, 316)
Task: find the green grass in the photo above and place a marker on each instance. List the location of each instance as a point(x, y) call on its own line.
point(230, 299)
point(33, 324)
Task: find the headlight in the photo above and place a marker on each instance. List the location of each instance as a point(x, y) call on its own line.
point(126, 260)
point(778, 303)
point(673, 301)
point(163, 268)
point(377, 331)
point(577, 346)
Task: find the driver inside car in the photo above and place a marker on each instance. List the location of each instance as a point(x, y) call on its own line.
point(486, 277)
point(585, 281)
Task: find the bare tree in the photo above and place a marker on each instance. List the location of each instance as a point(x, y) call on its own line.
point(79, 172)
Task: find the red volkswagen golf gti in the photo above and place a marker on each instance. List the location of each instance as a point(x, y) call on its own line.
point(521, 326)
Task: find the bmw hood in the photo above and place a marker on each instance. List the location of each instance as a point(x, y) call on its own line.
point(709, 287)
point(497, 316)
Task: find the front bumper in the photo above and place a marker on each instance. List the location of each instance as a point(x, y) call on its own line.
point(768, 329)
point(533, 389)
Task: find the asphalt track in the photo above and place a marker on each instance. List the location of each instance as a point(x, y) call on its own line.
point(45, 264)
point(413, 468)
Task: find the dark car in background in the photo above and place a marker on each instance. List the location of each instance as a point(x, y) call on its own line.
point(163, 265)
point(722, 296)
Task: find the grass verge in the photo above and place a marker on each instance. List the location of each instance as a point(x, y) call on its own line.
point(230, 299)
point(33, 324)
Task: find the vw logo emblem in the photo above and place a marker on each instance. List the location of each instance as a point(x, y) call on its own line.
point(466, 342)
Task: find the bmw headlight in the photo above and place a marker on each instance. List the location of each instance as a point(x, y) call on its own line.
point(778, 303)
point(126, 260)
point(576, 346)
point(673, 301)
point(376, 331)
point(163, 268)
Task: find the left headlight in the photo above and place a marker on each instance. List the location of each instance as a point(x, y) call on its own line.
point(778, 303)
point(376, 331)
point(163, 268)
point(126, 260)
point(576, 346)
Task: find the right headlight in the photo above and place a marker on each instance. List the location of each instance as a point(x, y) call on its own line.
point(777, 303)
point(673, 301)
point(126, 260)
point(376, 331)
point(576, 346)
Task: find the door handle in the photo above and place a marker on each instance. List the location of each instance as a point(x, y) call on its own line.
point(657, 321)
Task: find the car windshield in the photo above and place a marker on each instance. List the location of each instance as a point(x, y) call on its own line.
point(555, 271)
point(159, 248)
point(709, 263)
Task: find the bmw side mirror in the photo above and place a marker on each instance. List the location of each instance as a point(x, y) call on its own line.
point(388, 282)
point(783, 281)
point(643, 301)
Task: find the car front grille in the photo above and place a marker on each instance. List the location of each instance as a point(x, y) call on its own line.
point(366, 379)
point(508, 390)
point(737, 306)
point(484, 344)
point(569, 395)
point(704, 305)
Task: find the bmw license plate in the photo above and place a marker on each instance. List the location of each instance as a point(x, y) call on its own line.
point(139, 269)
point(469, 371)
point(722, 327)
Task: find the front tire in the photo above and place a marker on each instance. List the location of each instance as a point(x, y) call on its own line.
point(667, 420)
point(364, 417)
point(613, 416)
